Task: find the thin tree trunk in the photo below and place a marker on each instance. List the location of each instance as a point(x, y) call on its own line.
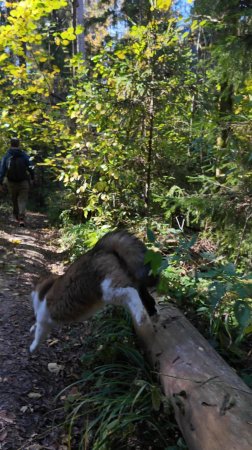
point(149, 156)
point(225, 109)
point(22, 59)
point(80, 21)
point(74, 23)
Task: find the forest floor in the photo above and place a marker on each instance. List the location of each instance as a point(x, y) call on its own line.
point(31, 406)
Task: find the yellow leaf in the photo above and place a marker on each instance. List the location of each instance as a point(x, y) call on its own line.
point(115, 175)
point(3, 56)
point(120, 54)
point(164, 4)
point(15, 241)
point(82, 188)
point(57, 40)
point(68, 34)
point(148, 53)
point(79, 29)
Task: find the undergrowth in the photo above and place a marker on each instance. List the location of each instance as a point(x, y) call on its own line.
point(216, 296)
point(117, 403)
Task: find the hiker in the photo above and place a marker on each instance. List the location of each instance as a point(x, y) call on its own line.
point(17, 167)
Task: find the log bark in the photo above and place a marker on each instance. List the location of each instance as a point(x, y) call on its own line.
point(213, 406)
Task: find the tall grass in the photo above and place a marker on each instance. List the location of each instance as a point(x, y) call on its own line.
point(117, 403)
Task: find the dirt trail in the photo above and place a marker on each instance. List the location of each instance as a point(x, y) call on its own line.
point(28, 388)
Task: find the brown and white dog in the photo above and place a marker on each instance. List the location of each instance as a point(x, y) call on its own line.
point(112, 272)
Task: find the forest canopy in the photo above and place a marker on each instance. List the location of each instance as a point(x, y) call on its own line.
point(139, 110)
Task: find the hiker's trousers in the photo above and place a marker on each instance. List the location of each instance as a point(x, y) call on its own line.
point(19, 194)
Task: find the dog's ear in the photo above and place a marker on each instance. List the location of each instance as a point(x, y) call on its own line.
point(42, 277)
point(44, 284)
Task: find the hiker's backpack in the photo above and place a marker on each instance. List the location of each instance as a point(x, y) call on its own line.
point(16, 168)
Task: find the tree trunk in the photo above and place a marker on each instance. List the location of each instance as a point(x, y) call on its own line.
point(74, 24)
point(149, 154)
point(213, 406)
point(80, 21)
point(225, 110)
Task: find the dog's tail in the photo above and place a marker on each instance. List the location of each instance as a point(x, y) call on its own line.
point(130, 252)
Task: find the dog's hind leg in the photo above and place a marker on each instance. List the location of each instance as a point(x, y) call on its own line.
point(42, 326)
point(41, 332)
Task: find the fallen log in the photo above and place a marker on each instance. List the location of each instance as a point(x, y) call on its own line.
point(213, 406)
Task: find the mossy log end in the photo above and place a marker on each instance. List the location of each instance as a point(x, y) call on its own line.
point(213, 406)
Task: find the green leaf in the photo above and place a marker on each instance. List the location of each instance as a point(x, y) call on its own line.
point(242, 313)
point(217, 291)
point(229, 269)
point(244, 290)
point(209, 274)
point(208, 255)
point(155, 259)
point(155, 398)
point(247, 330)
point(247, 379)
point(150, 235)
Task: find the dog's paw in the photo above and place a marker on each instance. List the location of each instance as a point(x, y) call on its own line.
point(33, 328)
point(33, 347)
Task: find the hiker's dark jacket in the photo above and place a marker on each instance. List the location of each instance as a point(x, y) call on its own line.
point(14, 151)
